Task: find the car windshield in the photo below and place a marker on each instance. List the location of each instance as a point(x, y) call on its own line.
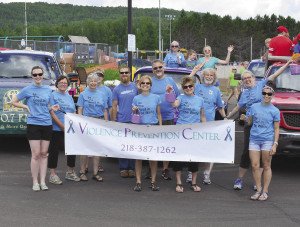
point(286, 81)
point(176, 77)
point(16, 65)
point(258, 69)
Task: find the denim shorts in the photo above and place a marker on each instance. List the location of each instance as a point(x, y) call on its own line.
point(260, 145)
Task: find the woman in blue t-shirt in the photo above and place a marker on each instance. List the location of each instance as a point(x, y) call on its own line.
point(148, 107)
point(264, 118)
point(66, 104)
point(39, 124)
point(92, 103)
point(174, 59)
point(191, 110)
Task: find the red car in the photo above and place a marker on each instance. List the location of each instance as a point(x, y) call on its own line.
point(287, 100)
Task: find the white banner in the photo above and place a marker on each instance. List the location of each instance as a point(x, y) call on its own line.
point(203, 142)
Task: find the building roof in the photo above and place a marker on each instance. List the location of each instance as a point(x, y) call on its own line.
point(78, 39)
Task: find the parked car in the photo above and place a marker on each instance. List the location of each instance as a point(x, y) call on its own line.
point(15, 73)
point(287, 100)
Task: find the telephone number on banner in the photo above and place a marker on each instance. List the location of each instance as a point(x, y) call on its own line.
point(143, 148)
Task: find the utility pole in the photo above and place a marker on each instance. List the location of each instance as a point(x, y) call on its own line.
point(129, 32)
point(26, 34)
point(159, 32)
point(170, 18)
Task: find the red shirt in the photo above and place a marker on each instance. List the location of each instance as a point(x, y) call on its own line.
point(281, 46)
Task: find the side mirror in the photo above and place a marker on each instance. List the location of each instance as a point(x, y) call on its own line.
point(237, 76)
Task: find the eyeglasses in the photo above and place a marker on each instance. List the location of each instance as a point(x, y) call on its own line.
point(267, 93)
point(124, 73)
point(148, 83)
point(62, 83)
point(188, 86)
point(174, 46)
point(37, 74)
point(159, 67)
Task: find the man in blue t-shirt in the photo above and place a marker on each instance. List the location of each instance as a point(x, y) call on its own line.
point(123, 95)
point(159, 84)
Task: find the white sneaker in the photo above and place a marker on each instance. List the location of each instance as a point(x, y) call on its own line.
point(72, 176)
point(36, 187)
point(44, 187)
point(55, 180)
point(206, 178)
point(189, 177)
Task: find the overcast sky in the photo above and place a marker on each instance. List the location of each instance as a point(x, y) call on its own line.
point(241, 8)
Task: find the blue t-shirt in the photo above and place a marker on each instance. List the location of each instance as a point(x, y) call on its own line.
point(93, 102)
point(107, 93)
point(66, 104)
point(252, 95)
point(263, 117)
point(212, 99)
point(159, 88)
point(172, 62)
point(147, 105)
point(37, 99)
point(211, 63)
point(124, 94)
point(189, 109)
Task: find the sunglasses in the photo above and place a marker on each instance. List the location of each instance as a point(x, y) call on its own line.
point(188, 86)
point(148, 83)
point(267, 93)
point(159, 67)
point(124, 73)
point(37, 74)
point(174, 46)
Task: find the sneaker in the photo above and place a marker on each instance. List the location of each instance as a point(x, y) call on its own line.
point(206, 178)
point(124, 173)
point(238, 184)
point(131, 173)
point(166, 175)
point(36, 187)
point(72, 176)
point(55, 180)
point(44, 187)
point(189, 177)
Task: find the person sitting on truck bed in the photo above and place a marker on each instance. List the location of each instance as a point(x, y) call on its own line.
point(281, 45)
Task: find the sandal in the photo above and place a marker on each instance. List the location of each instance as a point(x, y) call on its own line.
point(256, 195)
point(263, 197)
point(97, 177)
point(82, 176)
point(179, 188)
point(154, 187)
point(195, 188)
point(137, 187)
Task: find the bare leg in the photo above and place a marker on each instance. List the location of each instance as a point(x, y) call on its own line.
point(178, 177)
point(194, 177)
point(44, 160)
point(255, 163)
point(266, 159)
point(153, 167)
point(83, 161)
point(95, 164)
point(242, 172)
point(35, 146)
point(208, 167)
point(165, 165)
point(138, 171)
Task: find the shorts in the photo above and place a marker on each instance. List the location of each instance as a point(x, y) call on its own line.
point(260, 145)
point(39, 132)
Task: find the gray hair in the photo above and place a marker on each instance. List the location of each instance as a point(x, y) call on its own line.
point(91, 77)
point(247, 72)
point(208, 71)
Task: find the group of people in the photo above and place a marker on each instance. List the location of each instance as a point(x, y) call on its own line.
point(198, 103)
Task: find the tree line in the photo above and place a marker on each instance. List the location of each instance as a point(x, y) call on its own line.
point(109, 25)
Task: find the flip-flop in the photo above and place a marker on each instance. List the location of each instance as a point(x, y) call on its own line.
point(263, 197)
point(195, 188)
point(97, 177)
point(179, 188)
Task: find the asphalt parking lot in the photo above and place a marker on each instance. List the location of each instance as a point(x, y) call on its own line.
point(114, 203)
